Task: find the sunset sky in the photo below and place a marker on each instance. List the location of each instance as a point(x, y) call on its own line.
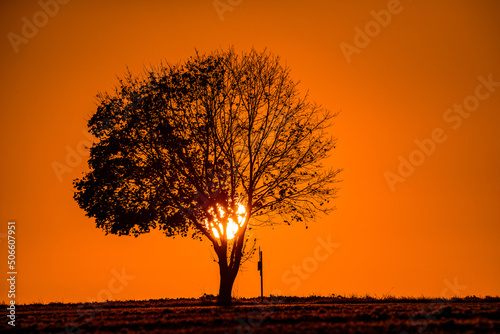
point(418, 86)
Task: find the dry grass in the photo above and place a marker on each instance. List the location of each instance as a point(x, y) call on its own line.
point(278, 314)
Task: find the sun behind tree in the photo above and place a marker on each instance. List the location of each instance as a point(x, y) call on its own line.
point(208, 148)
point(228, 230)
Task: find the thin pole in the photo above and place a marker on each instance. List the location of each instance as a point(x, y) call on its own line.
point(261, 278)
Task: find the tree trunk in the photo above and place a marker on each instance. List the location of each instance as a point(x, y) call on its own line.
point(226, 285)
point(228, 271)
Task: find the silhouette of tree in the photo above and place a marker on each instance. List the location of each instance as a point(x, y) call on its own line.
point(183, 146)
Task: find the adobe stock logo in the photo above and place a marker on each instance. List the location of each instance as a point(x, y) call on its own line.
point(310, 264)
point(372, 29)
point(89, 312)
point(454, 118)
point(30, 28)
point(222, 6)
point(74, 157)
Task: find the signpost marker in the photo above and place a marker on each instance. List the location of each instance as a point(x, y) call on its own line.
point(259, 267)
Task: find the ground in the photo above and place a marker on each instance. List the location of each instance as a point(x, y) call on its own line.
point(274, 315)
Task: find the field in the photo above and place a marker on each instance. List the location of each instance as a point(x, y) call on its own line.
point(275, 315)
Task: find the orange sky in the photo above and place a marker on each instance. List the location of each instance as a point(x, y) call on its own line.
point(438, 228)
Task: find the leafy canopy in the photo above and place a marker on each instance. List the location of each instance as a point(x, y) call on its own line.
point(180, 147)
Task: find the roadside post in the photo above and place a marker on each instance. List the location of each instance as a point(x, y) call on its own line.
point(259, 267)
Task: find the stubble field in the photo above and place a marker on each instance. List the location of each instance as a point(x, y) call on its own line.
point(275, 315)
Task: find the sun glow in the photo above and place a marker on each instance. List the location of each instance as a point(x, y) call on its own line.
point(232, 226)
